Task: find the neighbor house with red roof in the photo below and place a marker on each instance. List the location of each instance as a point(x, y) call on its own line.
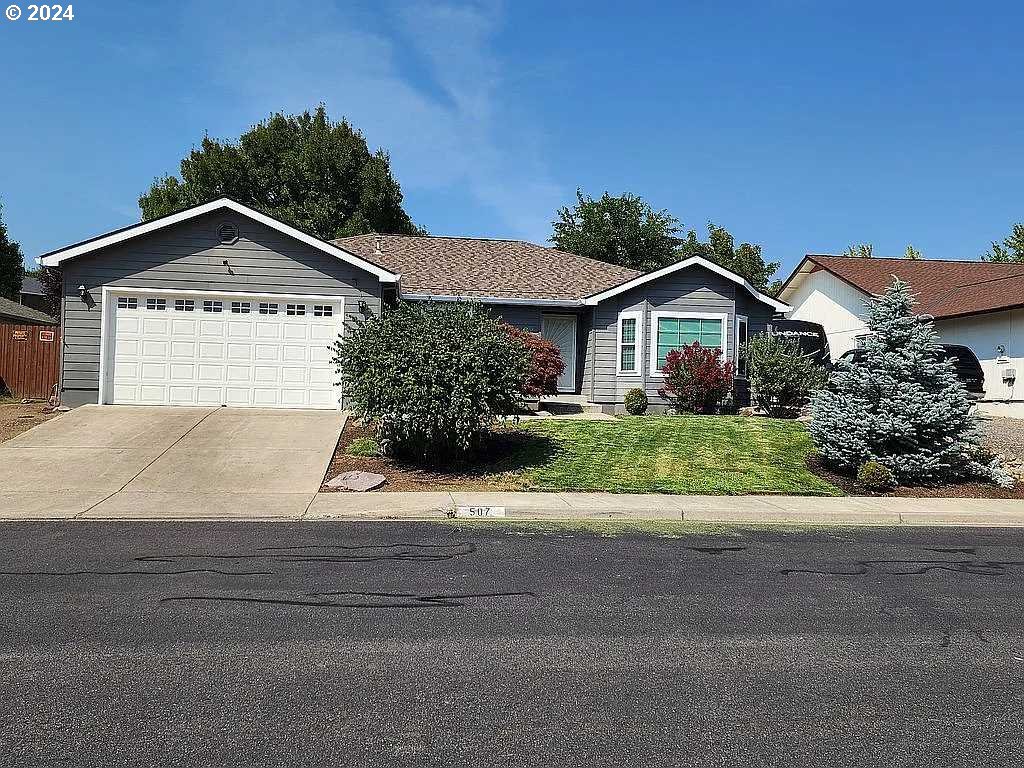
point(975, 303)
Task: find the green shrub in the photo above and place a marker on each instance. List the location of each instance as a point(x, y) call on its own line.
point(431, 377)
point(902, 404)
point(875, 476)
point(363, 446)
point(636, 402)
point(782, 378)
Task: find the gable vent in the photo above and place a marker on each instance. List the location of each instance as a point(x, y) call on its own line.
point(227, 233)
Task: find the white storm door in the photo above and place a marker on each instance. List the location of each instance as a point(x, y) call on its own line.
point(561, 330)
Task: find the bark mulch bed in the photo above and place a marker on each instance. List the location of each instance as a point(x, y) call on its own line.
point(850, 487)
point(17, 417)
point(514, 450)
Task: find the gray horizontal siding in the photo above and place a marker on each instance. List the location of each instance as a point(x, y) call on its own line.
point(694, 289)
point(189, 257)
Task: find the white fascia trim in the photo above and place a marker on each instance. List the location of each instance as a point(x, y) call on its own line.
point(699, 261)
point(56, 257)
point(495, 300)
point(682, 314)
point(638, 316)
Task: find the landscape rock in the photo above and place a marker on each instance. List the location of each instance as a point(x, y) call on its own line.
point(357, 481)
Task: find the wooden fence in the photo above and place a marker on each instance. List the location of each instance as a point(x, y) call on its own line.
point(29, 359)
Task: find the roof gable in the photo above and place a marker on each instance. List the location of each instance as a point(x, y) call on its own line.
point(693, 261)
point(943, 288)
point(55, 258)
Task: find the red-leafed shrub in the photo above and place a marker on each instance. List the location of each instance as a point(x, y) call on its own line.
point(696, 380)
point(545, 363)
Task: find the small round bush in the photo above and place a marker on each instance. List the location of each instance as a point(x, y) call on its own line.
point(636, 402)
point(875, 476)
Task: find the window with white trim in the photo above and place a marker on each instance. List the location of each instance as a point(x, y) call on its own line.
point(675, 330)
point(127, 302)
point(323, 310)
point(156, 304)
point(296, 309)
point(742, 336)
point(240, 307)
point(184, 305)
point(267, 308)
point(629, 343)
point(210, 305)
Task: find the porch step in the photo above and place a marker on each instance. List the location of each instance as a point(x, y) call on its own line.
point(560, 406)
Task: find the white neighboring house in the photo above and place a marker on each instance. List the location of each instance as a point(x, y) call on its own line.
point(977, 304)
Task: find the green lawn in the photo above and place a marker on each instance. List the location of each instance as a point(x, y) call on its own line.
point(668, 454)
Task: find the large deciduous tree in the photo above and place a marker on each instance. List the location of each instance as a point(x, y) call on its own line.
point(306, 170)
point(745, 259)
point(623, 230)
point(1011, 249)
point(12, 265)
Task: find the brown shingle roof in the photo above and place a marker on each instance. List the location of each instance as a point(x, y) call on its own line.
point(12, 311)
point(462, 266)
point(943, 288)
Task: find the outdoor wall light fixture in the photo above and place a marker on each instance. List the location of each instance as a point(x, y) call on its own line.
point(83, 294)
point(364, 308)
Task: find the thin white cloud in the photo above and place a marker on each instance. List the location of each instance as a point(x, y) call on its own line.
point(447, 128)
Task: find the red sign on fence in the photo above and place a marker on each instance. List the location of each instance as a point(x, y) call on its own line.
point(46, 335)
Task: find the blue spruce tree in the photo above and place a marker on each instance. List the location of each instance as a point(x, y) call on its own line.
point(902, 405)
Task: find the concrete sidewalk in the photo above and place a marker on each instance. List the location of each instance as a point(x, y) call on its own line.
point(852, 510)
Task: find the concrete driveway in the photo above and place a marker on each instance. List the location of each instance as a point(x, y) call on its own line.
point(117, 461)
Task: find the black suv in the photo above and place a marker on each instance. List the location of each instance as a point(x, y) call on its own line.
point(968, 369)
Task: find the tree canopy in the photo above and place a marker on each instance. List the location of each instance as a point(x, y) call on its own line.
point(861, 251)
point(12, 265)
point(628, 231)
point(912, 253)
point(744, 259)
point(623, 230)
point(1011, 249)
point(306, 170)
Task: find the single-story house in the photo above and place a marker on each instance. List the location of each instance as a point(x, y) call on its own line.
point(977, 304)
point(31, 294)
point(220, 304)
point(13, 313)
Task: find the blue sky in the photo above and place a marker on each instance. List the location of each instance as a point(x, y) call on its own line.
point(803, 126)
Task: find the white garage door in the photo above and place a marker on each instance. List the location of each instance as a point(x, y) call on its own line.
point(182, 349)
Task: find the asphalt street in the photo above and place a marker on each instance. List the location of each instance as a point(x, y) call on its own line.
point(233, 644)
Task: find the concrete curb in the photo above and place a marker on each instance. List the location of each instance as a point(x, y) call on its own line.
point(551, 507)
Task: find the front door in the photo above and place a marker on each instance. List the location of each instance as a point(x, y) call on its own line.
point(561, 330)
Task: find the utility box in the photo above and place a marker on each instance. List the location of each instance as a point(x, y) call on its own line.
point(1009, 374)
